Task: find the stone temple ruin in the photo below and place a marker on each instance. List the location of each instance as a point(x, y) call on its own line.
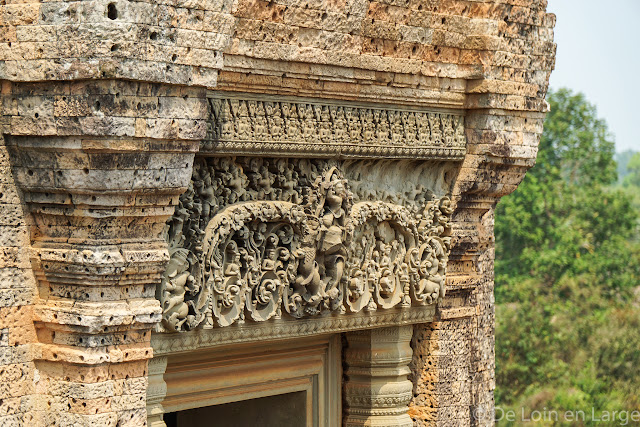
point(258, 212)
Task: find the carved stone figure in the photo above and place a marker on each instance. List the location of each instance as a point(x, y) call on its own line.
point(382, 126)
point(326, 125)
point(410, 129)
point(435, 126)
point(339, 124)
point(300, 127)
point(308, 121)
point(291, 123)
point(424, 129)
point(261, 131)
point(354, 124)
point(274, 120)
point(368, 126)
point(281, 237)
point(396, 127)
point(180, 295)
point(448, 136)
point(244, 122)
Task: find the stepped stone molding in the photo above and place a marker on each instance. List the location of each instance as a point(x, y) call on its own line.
point(244, 124)
point(98, 186)
point(258, 239)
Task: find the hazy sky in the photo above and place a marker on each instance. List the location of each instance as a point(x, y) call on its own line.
point(599, 55)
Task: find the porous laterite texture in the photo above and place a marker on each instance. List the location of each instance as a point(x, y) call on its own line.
point(100, 166)
point(103, 107)
point(17, 296)
point(178, 42)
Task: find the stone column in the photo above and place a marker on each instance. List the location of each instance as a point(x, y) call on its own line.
point(376, 388)
point(101, 166)
point(156, 392)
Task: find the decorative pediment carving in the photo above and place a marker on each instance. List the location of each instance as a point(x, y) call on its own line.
point(256, 239)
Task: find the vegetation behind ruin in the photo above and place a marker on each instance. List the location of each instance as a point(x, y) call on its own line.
point(567, 272)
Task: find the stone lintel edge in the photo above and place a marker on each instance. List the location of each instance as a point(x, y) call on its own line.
point(170, 343)
point(101, 144)
point(349, 152)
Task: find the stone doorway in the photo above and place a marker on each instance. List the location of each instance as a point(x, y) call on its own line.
point(289, 409)
point(292, 383)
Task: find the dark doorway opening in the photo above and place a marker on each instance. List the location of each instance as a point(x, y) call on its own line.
point(283, 410)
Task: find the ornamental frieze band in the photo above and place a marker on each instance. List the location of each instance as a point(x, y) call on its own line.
point(255, 239)
point(240, 124)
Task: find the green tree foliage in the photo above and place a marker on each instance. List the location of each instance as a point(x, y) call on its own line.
point(567, 273)
point(632, 179)
point(622, 159)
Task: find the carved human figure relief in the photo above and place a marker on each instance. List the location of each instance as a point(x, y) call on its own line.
point(240, 125)
point(255, 239)
point(354, 124)
point(181, 297)
point(340, 128)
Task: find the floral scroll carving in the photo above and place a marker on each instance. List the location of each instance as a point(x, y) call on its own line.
point(249, 259)
point(255, 239)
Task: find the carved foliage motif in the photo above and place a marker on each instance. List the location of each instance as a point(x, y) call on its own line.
point(256, 239)
point(237, 124)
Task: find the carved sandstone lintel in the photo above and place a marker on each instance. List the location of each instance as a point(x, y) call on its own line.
point(284, 329)
point(246, 124)
point(258, 239)
point(376, 387)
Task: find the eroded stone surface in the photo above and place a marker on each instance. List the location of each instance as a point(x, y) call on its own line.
point(178, 42)
point(99, 199)
point(95, 155)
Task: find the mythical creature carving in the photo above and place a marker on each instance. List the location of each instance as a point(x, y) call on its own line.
point(182, 298)
point(322, 247)
point(256, 238)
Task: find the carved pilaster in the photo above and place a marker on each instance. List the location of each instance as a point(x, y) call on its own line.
point(156, 392)
point(376, 388)
point(100, 196)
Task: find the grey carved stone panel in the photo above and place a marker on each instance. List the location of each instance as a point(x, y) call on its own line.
point(265, 239)
point(242, 124)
